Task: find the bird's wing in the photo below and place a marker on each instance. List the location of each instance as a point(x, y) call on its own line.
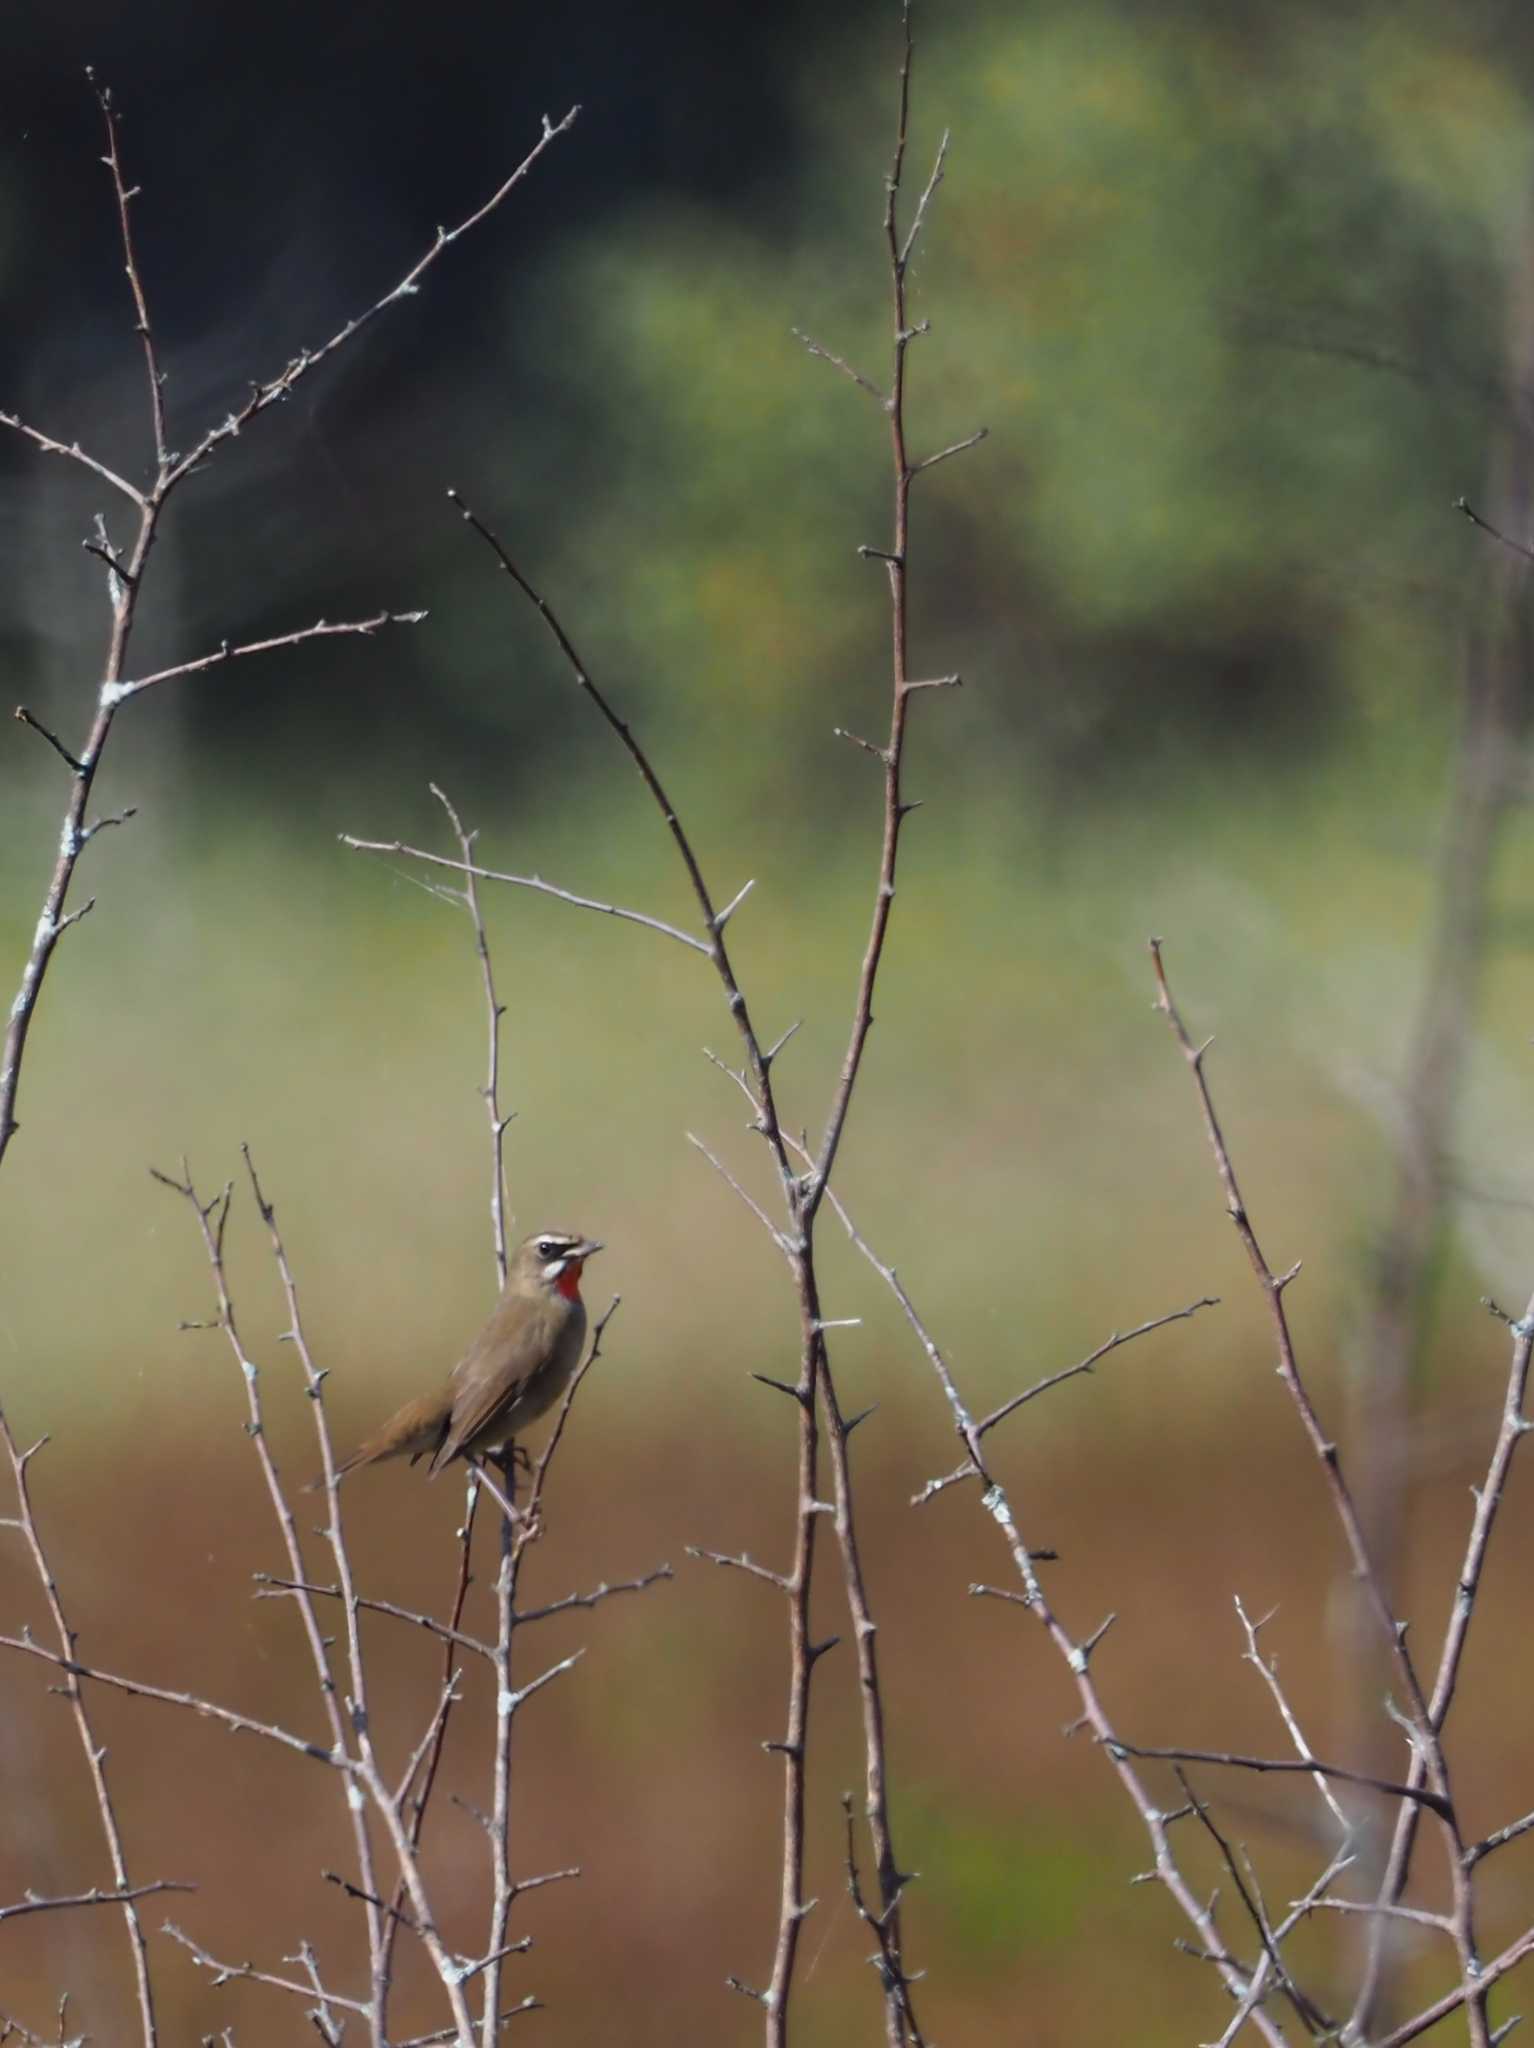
point(494, 1374)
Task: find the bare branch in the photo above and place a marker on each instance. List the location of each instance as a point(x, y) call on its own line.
point(322, 629)
point(1441, 2008)
point(495, 1011)
point(32, 1903)
point(142, 327)
point(1314, 2021)
point(1306, 1766)
point(750, 1201)
point(233, 1973)
point(212, 1221)
point(1269, 1674)
point(741, 1564)
point(839, 363)
point(1424, 1726)
point(1516, 547)
point(75, 453)
point(1055, 1379)
point(654, 924)
point(886, 1959)
point(595, 1597)
point(124, 1891)
point(954, 448)
point(228, 1717)
point(264, 395)
point(272, 1587)
point(918, 219)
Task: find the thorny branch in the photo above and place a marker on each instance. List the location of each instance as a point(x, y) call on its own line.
point(212, 1225)
point(124, 1891)
point(1076, 1653)
point(1429, 1764)
point(125, 568)
point(814, 1391)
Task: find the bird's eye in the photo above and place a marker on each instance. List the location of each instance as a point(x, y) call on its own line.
point(547, 1248)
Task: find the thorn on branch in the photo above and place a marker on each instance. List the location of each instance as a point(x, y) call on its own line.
point(117, 569)
point(778, 1044)
point(879, 753)
point(1516, 547)
point(1081, 1656)
point(27, 718)
point(839, 363)
point(782, 1387)
point(722, 917)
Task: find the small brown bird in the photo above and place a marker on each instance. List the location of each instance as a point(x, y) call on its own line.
point(516, 1368)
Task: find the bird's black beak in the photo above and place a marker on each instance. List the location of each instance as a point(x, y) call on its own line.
point(586, 1248)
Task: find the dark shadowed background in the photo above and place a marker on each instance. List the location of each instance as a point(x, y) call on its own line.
point(1241, 294)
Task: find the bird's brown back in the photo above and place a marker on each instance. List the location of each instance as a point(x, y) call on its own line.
point(516, 1368)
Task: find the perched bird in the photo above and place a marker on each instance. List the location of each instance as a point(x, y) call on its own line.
point(516, 1368)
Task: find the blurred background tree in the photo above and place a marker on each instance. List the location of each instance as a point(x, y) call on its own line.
point(1232, 289)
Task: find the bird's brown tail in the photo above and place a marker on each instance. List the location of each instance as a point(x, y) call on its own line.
point(417, 1428)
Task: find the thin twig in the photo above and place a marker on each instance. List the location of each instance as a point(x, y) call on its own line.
point(233, 1973)
point(1272, 1953)
point(125, 574)
point(1269, 1675)
point(1424, 1728)
point(839, 363)
point(276, 388)
point(272, 1587)
point(26, 717)
point(32, 1903)
point(515, 1535)
point(228, 1717)
point(123, 1889)
point(888, 1964)
point(212, 1222)
point(1514, 1425)
point(1287, 1765)
point(1075, 1654)
point(595, 1597)
point(954, 448)
point(1054, 1379)
point(142, 328)
point(1441, 2008)
point(322, 629)
point(1517, 547)
point(495, 1011)
point(536, 882)
point(50, 445)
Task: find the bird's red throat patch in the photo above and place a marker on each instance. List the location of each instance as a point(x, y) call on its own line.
point(569, 1281)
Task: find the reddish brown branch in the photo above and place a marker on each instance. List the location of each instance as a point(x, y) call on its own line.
point(124, 198)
